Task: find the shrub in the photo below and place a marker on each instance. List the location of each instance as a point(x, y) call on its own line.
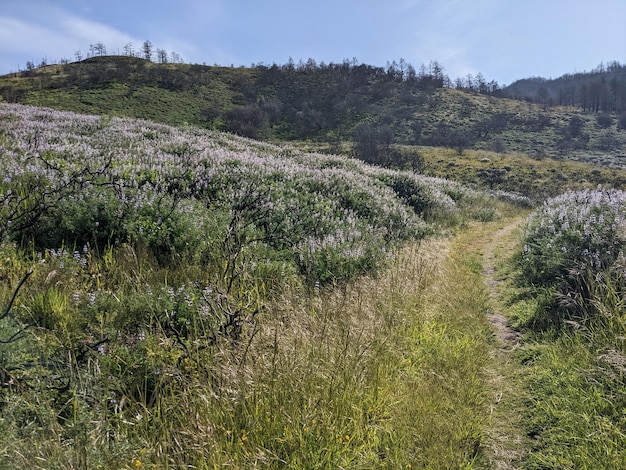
point(604, 120)
point(572, 238)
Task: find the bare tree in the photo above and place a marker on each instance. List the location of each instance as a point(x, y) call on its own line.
point(175, 58)
point(100, 49)
point(162, 56)
point(147, 50)
point(128, 49)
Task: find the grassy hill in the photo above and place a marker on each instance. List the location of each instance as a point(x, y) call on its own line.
point(176, 297)
point(182, 297)
point(319, 103)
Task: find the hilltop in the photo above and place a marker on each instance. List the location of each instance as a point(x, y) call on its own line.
point(324, 103)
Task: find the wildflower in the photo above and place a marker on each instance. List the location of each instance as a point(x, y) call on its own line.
point(137, 463)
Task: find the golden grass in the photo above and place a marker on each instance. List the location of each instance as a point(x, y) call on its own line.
point(383, 372)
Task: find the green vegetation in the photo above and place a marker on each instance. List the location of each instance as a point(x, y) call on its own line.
point(180, 297)
point(329, 103)
point(536, 178)
point(568, 300)
point(175, 296)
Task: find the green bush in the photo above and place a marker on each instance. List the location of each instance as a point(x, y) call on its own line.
point(572, 240)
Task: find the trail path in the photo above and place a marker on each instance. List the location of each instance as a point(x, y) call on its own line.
point(504, 445)
point(492, 252)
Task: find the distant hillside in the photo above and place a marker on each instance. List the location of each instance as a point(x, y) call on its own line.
point(373, 107)
point(601, 90)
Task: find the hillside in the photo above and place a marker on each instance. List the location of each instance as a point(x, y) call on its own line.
point(83, 180)
point(331, 103)
point(178, 297)
point(603, 90)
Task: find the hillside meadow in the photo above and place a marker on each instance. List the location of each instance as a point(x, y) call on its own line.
point(332, 103)
point(182, 298)
point(176, 297)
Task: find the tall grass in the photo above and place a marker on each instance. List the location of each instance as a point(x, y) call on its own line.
point(380, 372)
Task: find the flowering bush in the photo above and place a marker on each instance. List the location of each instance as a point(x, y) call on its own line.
point(571, 239)
point(74, 180)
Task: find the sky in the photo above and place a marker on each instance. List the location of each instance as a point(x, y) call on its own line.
point(505, 40)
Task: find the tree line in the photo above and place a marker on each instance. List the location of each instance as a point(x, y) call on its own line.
point(426, 76)
point(146, 51)
point(602, 90)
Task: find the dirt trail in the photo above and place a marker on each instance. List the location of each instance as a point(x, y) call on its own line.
point(492, 252)
point(505, 439)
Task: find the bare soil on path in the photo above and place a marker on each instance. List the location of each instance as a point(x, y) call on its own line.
point(497, 246)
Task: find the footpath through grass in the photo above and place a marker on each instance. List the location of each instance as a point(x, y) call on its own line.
point(387, 372)
point(505, 443)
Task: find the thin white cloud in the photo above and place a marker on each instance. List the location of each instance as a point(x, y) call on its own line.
point(19, 36)
point(52, 33)
point(84, 31)
point(61, 37)
point(21, 42)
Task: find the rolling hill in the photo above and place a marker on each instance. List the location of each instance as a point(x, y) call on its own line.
point(327, 103)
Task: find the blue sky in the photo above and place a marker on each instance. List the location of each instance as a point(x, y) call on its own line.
point(502, 39)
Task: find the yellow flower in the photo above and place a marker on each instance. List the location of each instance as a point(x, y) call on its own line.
point(137, 463)
point(347, 437)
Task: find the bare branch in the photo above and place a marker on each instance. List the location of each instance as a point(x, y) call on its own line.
point(15, 292)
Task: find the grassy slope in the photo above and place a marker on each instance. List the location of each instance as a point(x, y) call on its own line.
point(379, 371)
point(201, 95)
point(537, 178)
point(139, 94)
point(524, 134)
